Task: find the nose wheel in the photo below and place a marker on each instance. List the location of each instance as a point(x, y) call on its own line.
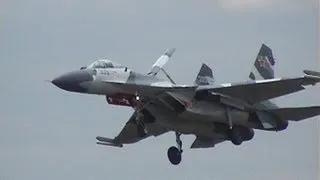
point(174, 153)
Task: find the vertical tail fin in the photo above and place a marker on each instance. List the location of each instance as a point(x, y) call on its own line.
point(263, 66)
point(205, 76)
point(264, 69)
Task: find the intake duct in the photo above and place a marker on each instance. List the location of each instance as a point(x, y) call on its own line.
point(207, 96)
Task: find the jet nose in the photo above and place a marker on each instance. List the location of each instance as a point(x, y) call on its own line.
point(71, 81)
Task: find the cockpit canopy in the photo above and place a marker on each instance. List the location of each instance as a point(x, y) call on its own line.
point(104, 63)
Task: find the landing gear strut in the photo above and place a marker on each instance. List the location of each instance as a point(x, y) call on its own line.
point(141, 128)
point(174, 153)
point(234, 133)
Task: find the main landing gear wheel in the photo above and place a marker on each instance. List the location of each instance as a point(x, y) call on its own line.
point(234, 133)
point(174, 153)
point(235, 136)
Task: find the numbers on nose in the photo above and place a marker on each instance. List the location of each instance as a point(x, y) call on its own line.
point(107, 72)
point(104, 72)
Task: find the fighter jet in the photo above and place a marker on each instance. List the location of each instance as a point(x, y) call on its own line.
point(214, 113)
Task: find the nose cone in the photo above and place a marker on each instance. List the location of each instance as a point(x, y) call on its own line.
point(71, 81)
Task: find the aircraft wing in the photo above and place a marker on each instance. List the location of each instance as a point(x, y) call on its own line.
point(129, 134)
point(203, 142)
point(262, 90)
point(163, 96)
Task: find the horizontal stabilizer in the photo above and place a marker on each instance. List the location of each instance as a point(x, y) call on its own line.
point(107, 142)
point(297, 113)
point(312, 73)
point(262, 90)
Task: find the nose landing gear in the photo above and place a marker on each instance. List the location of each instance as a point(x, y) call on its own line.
point(139, 106)
point(174, 153)
point(141, 128)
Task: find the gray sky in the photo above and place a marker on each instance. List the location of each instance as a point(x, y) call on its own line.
point(47, 133)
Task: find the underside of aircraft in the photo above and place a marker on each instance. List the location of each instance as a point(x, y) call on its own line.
point(214, 113)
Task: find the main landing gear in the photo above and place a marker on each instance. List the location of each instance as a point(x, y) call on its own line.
point(139, 105)
point(174, 153)
point(237, 134)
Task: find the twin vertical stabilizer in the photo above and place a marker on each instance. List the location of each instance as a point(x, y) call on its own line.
point(205, 76)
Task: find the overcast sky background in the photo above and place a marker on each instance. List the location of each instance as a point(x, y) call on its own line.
point(47, 133)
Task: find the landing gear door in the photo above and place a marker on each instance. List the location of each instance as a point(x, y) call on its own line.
point(268, 121)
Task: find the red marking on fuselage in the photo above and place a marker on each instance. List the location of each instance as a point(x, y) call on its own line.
point(120, 99)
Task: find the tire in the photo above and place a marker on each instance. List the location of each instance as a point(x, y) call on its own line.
point(235, 136)
point(249, 134)
point(174, 155)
